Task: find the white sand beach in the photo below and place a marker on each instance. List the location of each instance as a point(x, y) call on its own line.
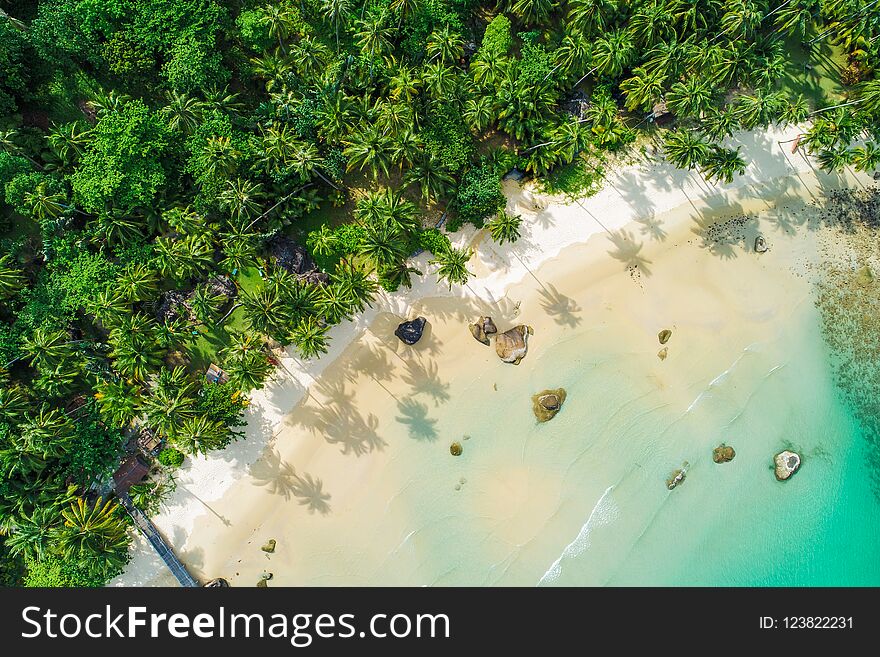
point(346, 459)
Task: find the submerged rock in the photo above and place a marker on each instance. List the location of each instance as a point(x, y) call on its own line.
point(664, 336)
point(410, 332)
point(218, 582)
point(478, 333)
point(864, 276)
point(761, 244)
point(488, 325)
point(455, 449)
point(547, 403)
point(663, 353)
point(723, 453)
point(677, 476)
point(269, 546)
point(512, 346)
point(786, 464)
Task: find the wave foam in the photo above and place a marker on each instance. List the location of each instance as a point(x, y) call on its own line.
point(605, 512)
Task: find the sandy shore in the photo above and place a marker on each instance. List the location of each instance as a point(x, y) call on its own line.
point(318, 470)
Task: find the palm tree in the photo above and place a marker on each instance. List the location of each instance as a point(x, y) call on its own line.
point(184, 258)
point(718, 124)
point(110, 306)
point(367, 147)
point(242, 199)
point(11, 277)
point(334, 304)
point(183, 113)
point(479, 112)
point(382, 245)
point(46, 348)
point(574, 53)
point(866, 157)
point(201, 434)
point(68, 141)
point(453, 266)
point(504, 227)
point(205, 305)
point(135, 348)
point(13, 403)
point(760, 108)
point(138, 282)
point(265, 312)
point(310, 337)
point(113, 227)
point(721, 164)
point(356, 284)
point(172, 401)
point(685, 149)
point(431, 176)
point(279, 20)
point(245, 362)
point(612, 52)
point(34, 535)
point(118, 402)
point(592, 16)
point(690, 98)
point(44, 204)
point(94, 533)
point(447, 45)
point(643, 89)
point(373, 37)
point(337, 12)
point(834, 159)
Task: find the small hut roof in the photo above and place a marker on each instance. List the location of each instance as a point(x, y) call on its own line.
point(131, 470)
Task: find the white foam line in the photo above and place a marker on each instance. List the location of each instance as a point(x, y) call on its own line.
point(600, 515)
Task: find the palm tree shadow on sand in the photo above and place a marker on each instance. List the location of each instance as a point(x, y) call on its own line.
point(563, 309)
point(425, 379)
point(280, 478)
point(628, 251)
point(414, 415)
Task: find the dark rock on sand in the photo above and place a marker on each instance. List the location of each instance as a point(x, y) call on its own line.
point(723, 453)
point(547, 403)
point(488, 325)
point(269, 547)
point(786, 464)
point(664, 336)
point(761, 244)
point(478, 333)
point(455, 449)
point(677, 476)
point(411, 332)
point(512, 346)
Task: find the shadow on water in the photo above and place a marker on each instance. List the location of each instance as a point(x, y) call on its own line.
point(414, 415)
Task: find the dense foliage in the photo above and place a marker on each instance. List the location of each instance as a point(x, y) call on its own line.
point(160, 160)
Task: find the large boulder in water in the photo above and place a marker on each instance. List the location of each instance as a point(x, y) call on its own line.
point(723, 453)
point(411, 332)
point(547, 403)
point(786, 464)
point(512, 346)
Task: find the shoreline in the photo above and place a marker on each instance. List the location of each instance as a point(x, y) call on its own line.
point(632, 196)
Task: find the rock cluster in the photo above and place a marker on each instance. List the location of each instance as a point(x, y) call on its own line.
point(482, 329)
point(677, 476)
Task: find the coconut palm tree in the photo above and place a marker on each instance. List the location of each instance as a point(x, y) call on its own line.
point(34, 534)
point(504, 227)
point(592, 16)
point(239, 251)
point(242, 199)
point(690, 98)
point(613, 52)
point(200, 435)
point(245, 361)
point(453, 266)
point(94, 532)
point(446, 45)
point(265, 312)
point(11, 277)
point(138, 282)
point(367, 147)
point(183, 113)
point(338, 13)
point(373, 37)
point(13, 403)
point(865, 158)
point(643, 89)
point(68, 141)
point(431, 176)
point(356, 284)
point(172, 401)
point(110, 306)
point(834, 159)
point(46, 348)
point(309, 336)
point(685, 149)
point(115, 228)
point(135, 349)
point(382, 245)
point(722, 164)
point(118, 402)
point(183, 258)
point(280, 22)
